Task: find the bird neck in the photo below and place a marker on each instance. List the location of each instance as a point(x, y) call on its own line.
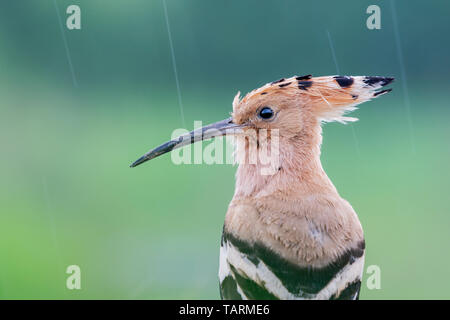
point(298, 171)
point(297, 212)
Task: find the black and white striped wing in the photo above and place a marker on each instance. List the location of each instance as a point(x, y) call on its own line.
point(252, 271)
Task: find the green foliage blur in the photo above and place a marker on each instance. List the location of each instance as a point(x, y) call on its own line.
point(67, 195)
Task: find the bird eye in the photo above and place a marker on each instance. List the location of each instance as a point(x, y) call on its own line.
point(266, 113)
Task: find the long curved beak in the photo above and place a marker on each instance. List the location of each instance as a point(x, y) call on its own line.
point(217, 129)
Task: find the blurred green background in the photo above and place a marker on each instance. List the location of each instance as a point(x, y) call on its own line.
point(78, 106)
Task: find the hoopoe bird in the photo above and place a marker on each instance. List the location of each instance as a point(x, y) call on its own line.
point(289, 235)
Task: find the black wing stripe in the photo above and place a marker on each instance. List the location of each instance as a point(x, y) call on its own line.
point(228, 289)
point(350, 292)
point(250, 288)
point(299, 281)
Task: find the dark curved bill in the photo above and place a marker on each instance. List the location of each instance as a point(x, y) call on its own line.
point(216, 129)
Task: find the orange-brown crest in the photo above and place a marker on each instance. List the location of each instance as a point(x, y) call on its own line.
point(297, 100)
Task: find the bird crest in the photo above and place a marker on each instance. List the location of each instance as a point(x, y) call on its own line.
point(329, 98)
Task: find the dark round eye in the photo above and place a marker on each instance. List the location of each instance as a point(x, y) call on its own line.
point(266, 113)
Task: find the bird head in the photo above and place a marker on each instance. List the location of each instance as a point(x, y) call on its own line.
point(292, 106)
